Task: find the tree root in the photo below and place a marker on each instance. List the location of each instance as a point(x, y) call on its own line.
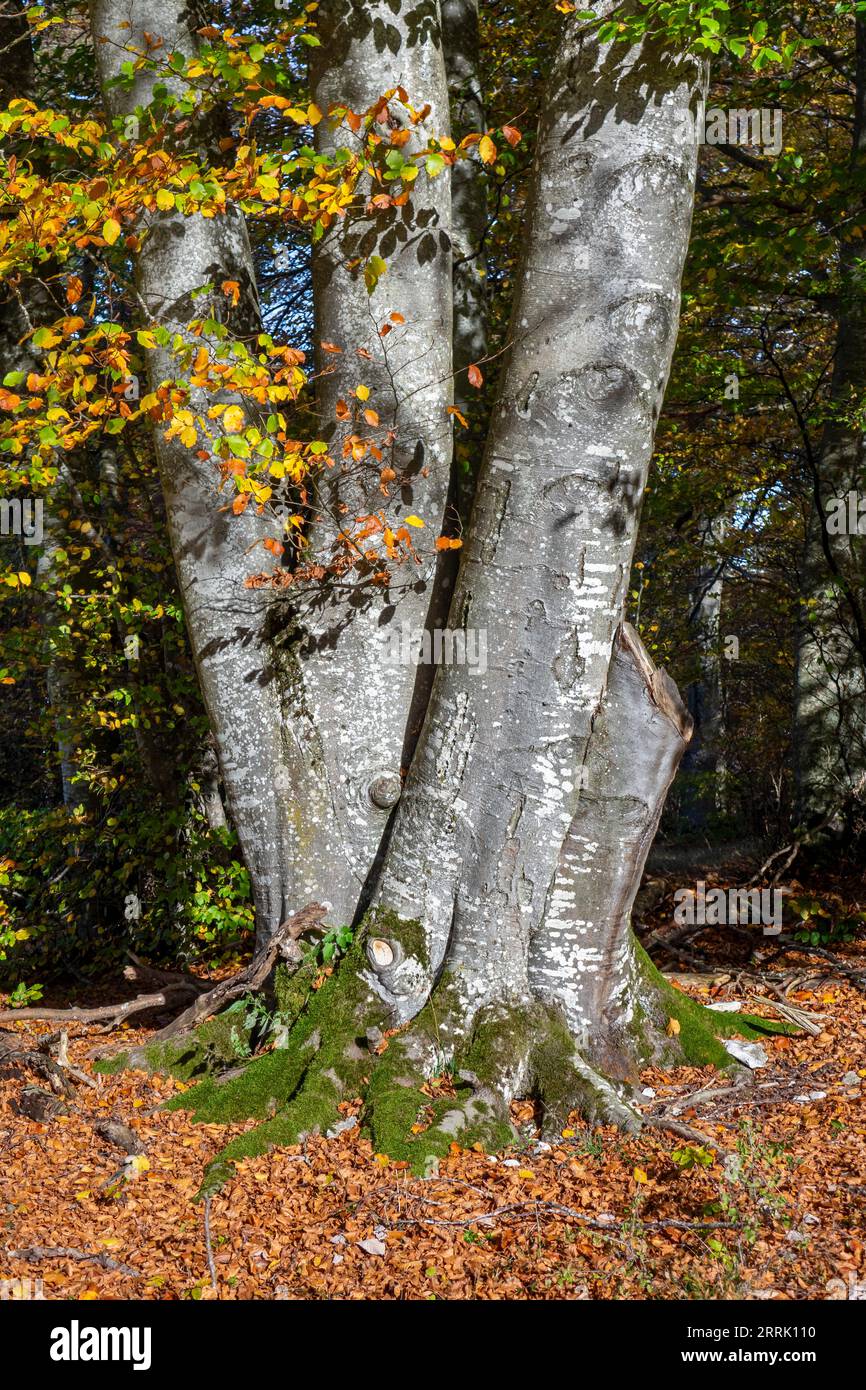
point(427, 1087)
point(337, 1052)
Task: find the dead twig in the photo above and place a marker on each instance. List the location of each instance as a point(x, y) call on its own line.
point(209, 1246)
point(112, 1014)
point(282, 944)
point(684, 1131)
point(67, 1252)
point(537, 1208)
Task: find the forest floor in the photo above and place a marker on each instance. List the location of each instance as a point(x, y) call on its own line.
point(772, 1206)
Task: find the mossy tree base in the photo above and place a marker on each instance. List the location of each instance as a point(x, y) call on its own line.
point(334, 1045)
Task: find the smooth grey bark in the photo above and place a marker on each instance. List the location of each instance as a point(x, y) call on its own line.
point(213, 551)
point(208, 775)
point(830, 681)
point(582, 956)
point(350, 708)
point(495, 786)
point(469, 213)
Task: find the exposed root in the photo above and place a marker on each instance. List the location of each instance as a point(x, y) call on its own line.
point(670, 1028)
point(333, 1046)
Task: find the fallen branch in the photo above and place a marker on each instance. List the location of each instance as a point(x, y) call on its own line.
point(112, 1014)
point(850, 972)
point(177, 987)
point(67, 1252)
point(282, 944)
point(809, 1022)
point(682, 1131)
point(209, 1246)
point(485, 1218)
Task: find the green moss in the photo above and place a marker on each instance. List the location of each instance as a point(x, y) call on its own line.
point(297, 1089)
point(382, 922)
point(219, 1042)
point(501, 1039)
point(700, 1029)
point(292, 988)
point(551, 1059)
point(258, 1091)
point(394, 1099)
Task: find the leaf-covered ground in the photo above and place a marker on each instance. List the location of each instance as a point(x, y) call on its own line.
point(776, 1210)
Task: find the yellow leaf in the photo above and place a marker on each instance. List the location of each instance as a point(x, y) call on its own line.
point(111, 230)
point(568, 1134)
point(673, 1027)
point(234, 419)
point(487, 149)
point(88, 1296)
point(414, 521)
point(24, 579)
point(164, 200)
point(362, 392)
point(640, 1175)
point(525, 1173)
point(314, 115)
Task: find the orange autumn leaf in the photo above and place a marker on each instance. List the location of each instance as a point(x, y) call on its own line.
point(232, 289)
point(475, 376)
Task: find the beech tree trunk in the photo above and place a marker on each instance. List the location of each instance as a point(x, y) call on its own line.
point(350, 709)
point(500, 921)
point(496, 781)
point(469, 216)
point(213, 550)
